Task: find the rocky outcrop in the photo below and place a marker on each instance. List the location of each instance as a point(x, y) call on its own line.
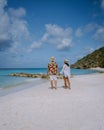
point(93, 60)
point(33, 75)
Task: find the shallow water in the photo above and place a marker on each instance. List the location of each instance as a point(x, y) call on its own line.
point(7, 81)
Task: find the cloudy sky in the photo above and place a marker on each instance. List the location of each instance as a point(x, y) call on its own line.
point(31, 31)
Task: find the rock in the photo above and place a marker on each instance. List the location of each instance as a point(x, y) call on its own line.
point(45, 76)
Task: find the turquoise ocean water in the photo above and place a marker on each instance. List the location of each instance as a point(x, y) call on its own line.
point(9, 81)
point(10, 84)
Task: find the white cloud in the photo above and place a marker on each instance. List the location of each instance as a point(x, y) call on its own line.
point(78, 32)
point(13, 27)
point(99, 34)
point(56, 35)
point(17, 13)
point(3, 3)
point(55, 30)
point(88, 50)
point(14, 31)
point(90, 27)
point(102, 4)
point(34, 45)
point(65, 44)
point(96, 31)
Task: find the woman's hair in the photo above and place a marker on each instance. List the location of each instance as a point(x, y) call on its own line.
point(67, 64)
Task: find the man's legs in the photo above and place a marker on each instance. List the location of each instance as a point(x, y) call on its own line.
point(52, 85)
point(55, 83)
point(53, 79)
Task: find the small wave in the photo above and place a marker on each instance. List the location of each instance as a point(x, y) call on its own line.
point(32, 79)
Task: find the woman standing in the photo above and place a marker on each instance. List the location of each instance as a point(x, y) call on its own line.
point(66, 74)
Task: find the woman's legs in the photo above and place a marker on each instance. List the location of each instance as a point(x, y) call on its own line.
point(66, 82)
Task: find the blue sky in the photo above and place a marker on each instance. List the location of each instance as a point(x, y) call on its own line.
point(31, 31)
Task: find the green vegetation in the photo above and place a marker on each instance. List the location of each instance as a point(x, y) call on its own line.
point(95, 59)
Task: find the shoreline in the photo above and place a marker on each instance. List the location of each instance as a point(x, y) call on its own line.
point(98, 69)
point(33, 83)
point(30, 82)
point(41, 108)
point(20, 86)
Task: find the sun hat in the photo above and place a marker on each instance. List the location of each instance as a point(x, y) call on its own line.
point(52, 59)
point(66, 61)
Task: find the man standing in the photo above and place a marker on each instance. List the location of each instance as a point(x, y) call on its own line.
point(52, 71)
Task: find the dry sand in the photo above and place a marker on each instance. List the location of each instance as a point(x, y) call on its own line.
point(41, 108)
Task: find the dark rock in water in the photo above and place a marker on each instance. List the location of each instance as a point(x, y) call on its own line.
point(45, 76)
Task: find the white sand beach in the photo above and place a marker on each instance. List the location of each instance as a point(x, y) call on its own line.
point(41, 108)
